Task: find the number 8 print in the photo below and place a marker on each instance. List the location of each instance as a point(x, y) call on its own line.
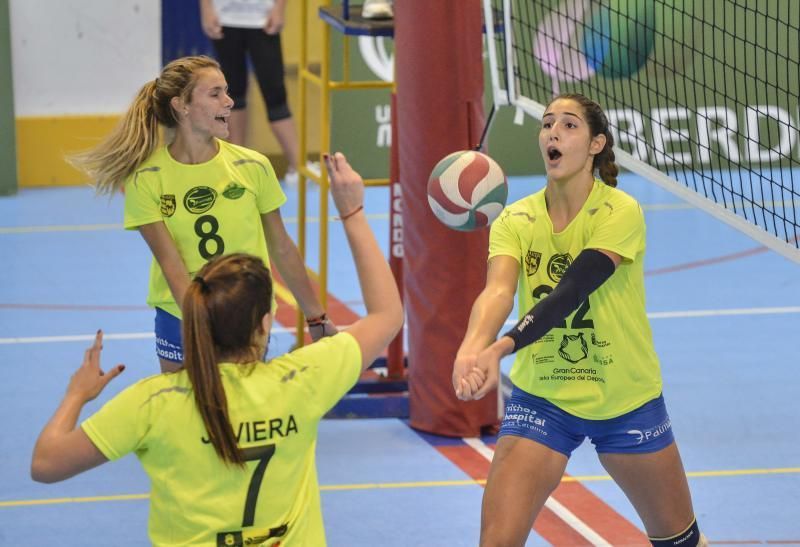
point(210, 235)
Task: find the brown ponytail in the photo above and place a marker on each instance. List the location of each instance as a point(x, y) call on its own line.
point(136, 136)
point(603, 162)
point(222, 312)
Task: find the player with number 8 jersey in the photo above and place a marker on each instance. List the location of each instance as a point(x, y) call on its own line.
point(193, 196)
point(209, 209)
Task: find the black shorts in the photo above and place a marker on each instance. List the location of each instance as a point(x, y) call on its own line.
point(266, 57)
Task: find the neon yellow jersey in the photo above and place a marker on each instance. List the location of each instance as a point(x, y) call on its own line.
point(210, 208)
point(275, 408)
point(600, 362)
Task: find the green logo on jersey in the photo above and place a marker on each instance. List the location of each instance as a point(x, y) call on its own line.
point(233, 191)
point(199, 199)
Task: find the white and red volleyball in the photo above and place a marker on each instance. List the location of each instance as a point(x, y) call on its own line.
point(467, 190)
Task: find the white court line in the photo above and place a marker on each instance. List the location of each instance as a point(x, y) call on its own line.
point(716, 313)
point(286, 220)
point(510, 322)
point(712, 313)
point(90, 337)
point(555, 506)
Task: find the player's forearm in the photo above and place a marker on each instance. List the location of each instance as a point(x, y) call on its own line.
point(488, 315)
point(378, 286)
point(290, 265)
point(178, 282)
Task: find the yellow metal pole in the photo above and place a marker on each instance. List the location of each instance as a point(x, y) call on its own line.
point(324, 143)
point(302, 118)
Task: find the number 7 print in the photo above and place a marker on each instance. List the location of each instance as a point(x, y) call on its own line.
point(263, 454)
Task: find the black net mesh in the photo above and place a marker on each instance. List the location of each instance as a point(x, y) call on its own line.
point(705, 92)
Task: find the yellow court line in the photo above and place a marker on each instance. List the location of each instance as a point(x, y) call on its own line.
point(87, 499)
point(398, 485)
point(742, 472)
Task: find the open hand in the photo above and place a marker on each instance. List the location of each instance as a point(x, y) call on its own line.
point(89, 380)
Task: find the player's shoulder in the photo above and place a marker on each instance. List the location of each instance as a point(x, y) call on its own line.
point(152, 167)
point(150, 387)
point(615, 196)
point(525, 210)
point(236, 152)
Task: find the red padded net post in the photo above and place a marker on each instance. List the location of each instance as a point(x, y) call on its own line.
point(439, 73)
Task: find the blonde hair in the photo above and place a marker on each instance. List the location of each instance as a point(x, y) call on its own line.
point(136, 136)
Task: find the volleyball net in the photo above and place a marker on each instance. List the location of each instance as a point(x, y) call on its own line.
point(702, 97)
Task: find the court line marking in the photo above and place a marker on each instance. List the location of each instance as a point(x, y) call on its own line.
point(554, 505)
point(286, 220)
point(118, 226)
point(398, 485)
point(106, 336)
point(510, 322)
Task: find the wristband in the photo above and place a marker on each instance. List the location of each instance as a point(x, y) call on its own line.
point(351, 213)
point(317, 321)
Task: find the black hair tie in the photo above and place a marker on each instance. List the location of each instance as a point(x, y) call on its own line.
point(203, 285)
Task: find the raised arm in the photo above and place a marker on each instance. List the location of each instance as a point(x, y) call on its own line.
point(374, 331)
point(63, 450)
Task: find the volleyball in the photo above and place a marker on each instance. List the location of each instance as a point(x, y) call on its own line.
point(467, 190)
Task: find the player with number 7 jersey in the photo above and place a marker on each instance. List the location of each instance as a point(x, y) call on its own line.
point(274, 409)
point(229, 440)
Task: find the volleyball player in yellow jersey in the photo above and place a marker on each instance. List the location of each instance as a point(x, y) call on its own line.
point(195, 196)
point(229, 440)
point(585, 364)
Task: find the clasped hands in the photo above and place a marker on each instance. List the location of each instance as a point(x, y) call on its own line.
point(475, 375)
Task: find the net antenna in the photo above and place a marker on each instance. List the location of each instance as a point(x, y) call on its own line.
point(701, 97)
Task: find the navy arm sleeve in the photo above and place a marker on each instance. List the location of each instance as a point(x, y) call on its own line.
point(589, 270)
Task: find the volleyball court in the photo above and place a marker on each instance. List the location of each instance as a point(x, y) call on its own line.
point(724, 338)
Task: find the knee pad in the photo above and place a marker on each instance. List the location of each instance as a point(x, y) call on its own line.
point(691, 537)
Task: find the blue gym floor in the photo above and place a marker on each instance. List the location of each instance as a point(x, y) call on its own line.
point(725, 314)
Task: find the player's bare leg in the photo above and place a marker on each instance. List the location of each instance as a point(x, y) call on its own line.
point(656, 485)
point(522, 476)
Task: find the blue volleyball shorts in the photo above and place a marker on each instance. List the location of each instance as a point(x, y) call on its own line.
point(168, 337)
point(645, 429)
